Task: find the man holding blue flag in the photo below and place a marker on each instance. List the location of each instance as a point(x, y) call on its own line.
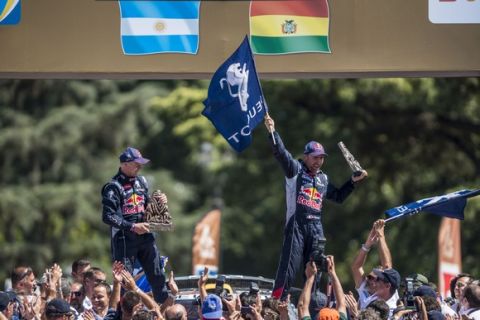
point(235, 103)
point(306, 188)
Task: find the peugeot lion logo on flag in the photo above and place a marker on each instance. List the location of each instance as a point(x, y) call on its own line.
point(235, 103)
point(237, 76)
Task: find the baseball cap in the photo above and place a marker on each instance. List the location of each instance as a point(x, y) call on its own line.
point(389, 275)
point(4, 300)
point(419, 279)
point(315, 149)
point(57, 307)
point(423, 291)
point(318, 301)
point(212, 307)
point(435, 315)
point(132, 154)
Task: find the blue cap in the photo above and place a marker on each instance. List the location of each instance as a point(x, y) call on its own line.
point(132, 154)
point(315, 149)
point(423, 291)
point(212, 307)
point(389, 275)
point(57, 307)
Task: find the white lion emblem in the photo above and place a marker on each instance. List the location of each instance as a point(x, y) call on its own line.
point(237, 76)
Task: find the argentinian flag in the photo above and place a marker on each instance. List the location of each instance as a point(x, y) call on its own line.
point(149, 27)
point(10, 11)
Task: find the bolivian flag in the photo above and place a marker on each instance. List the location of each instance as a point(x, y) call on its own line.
point(289, 26)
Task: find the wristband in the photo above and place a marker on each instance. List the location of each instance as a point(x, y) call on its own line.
point(365, 248)
point(138, 290)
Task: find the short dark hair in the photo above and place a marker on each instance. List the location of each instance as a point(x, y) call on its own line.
point(19, 273)
point(431, 303)
point(369, 314)
point(129, 300)
point(143, 315)
point(90, 273)
point(453, 282)
point(472, 294)
point(80, 263)
point(104, 284)
point(380, 307)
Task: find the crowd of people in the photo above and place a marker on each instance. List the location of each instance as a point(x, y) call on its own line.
point(381, 293)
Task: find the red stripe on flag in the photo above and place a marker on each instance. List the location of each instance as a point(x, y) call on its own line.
point(308, 8)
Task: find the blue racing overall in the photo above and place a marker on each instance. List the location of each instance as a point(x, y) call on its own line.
point(124, 200)
point(305, 193)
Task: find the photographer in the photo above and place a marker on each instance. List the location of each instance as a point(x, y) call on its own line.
point(304, 301)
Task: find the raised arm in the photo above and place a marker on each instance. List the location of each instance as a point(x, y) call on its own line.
point(359, 261)
point(289, 165)
point(383, 250)
point(202, 281)
point(305, 296)
point(337, 286)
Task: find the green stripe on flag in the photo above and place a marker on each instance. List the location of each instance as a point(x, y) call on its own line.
point(289, 44)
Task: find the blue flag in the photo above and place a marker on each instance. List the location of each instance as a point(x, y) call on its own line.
point(235, 103)
point(449, 205)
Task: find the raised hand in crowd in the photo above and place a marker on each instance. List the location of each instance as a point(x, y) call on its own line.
point(172, 285)
point(233, 306)
point(283, 308)
point(202, 281)
point(117, 269)
point(352, 304)
point(269, 123)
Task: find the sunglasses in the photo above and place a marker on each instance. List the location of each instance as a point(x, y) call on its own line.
point(371, 278)
point(76, 293)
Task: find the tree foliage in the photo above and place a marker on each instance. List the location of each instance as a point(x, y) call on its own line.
point(60, 141)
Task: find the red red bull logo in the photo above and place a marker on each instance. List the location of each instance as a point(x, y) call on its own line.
point(310, 197)
point(134, 204)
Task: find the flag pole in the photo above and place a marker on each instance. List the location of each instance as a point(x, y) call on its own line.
point(410, 213)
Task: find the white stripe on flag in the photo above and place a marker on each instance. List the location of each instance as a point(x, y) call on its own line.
point(158, 26)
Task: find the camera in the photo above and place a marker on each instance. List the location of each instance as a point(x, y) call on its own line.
point(219, 290)
point(254, 289)
point(408, 298)
point(317, 256)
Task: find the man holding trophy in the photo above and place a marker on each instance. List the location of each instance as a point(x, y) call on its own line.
point(307, 186)
point(126, 203)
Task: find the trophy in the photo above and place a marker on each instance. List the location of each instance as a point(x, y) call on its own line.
point(352, 162)
point(157, 215)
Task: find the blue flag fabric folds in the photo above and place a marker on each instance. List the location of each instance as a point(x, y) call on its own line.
point(149, 27)
point(450, 205)
point(235, 104)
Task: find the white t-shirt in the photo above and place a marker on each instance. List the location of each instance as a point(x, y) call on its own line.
point(363, 294)
point(391, 302)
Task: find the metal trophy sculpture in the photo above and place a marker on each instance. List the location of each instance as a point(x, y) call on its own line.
point(352, 162)
point(157, 215)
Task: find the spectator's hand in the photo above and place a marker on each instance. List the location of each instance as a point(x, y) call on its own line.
point(88, 315)
point(202, 280)
point(331, 265)
point(28, 310)
point(269, 123)
point(310, 269)
point(231, 304)
point(56, 273)
point(158, 312)
point(172, 285)
point(127, 281)
point(352, 305)
point(399, 314)
point(372, 237)
point(117, 269)
point(163, 198)
point(360, 177)
point(379, 227)
point(283, 306)
point(140, 228)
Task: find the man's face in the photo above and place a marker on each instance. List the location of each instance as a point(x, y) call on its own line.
point(29, 284)
point(371, 282)
point(100, 299)
point(313, 163)
point(460, 287)
point(382, 288)
point(130, 169)
point(76, 296)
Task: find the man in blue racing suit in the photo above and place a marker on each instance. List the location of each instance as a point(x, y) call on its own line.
point(306, 188)
point(124, 201)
